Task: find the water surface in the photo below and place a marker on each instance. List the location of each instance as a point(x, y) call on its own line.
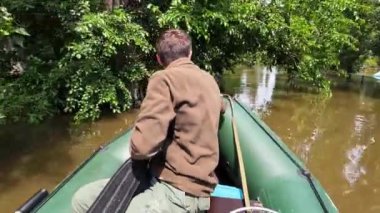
point(34, 157)
point(338, 138)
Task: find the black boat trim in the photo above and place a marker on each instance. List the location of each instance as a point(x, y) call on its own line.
point(33, 201)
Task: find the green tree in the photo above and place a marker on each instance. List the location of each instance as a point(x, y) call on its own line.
point(11, 41)
point(309, 43)
point(101, 63)
point(84, 57)
point(303, 37)
point(366, 32)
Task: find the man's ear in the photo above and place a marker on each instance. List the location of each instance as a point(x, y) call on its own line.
point(159, 60)
point(190, 54)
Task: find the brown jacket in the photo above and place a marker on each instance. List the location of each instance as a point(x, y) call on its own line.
point(180, 116)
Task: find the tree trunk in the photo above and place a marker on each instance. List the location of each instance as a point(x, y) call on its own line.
point(112, 4)
point(109, 4)
point(116, 3)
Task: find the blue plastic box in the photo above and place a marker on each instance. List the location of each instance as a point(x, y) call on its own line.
point(227, 192)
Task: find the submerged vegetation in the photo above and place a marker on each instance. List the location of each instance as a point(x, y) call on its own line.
point(87, 57)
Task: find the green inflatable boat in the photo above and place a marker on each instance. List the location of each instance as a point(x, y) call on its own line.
point(275, 176)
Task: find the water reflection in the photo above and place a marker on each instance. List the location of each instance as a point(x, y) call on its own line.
point(245, 91)
point(265, 89)
point(353, 170)
point(40, 156)
point(265, 81)
point(304, 148)
point(257, 90)
point(363, 129)
point(336, 137)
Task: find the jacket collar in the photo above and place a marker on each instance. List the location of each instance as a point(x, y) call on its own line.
point(179, 62)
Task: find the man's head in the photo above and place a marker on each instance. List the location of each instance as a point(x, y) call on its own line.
point(172, 45)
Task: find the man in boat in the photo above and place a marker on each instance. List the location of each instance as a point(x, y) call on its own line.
point(176, 130)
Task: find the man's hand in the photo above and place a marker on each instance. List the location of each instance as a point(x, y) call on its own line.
point(136, 156)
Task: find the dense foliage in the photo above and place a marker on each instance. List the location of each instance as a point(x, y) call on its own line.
point(367, 34)
point(87, 57)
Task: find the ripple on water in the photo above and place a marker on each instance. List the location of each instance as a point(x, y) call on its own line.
point(352, 170)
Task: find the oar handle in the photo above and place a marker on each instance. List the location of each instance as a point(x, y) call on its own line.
point(239, 156)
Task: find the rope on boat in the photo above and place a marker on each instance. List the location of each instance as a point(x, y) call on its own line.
point(240, 157)
point(303, 171)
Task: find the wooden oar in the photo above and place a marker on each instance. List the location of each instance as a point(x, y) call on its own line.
point(240, 157)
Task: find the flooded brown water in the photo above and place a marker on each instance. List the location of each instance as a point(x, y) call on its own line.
point(34, 157)
point(338, 138)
